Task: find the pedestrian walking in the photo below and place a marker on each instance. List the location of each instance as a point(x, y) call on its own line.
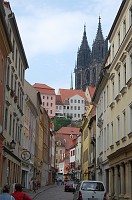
point(19, 194)
point(34, 185)
point(5, 193)
point(31, 184)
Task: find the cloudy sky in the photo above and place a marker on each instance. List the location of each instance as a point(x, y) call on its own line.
point(52, 30)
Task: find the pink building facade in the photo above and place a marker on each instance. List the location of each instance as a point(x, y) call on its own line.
point(48, 98)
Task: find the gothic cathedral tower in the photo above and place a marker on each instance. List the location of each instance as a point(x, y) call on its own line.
point(89, 63)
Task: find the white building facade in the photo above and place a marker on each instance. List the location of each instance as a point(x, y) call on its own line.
point(113, 98)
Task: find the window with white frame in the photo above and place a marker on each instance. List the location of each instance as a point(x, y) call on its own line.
point(74, 107)
point(6, 118)
point(119, 82)
point(130, 16)
point(71, 107)
point(107, 95)
point(78, 107)
point(105, 140)
point(8, 75)
point(124, 73)
point(113, 52)
point(119, 40)
point(104, 100)
point(118, 127)
point(59, 107)
point(107, 136)
point(130, 118)
point(101, 140)
point(130, 65)
point(112, 133)
point(71, 100)
point(124, 28)
point(10, 129)
point(124, 123)
point(113, 90)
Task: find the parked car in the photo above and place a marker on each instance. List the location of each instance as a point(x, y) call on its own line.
point(90, 190)
point(69, 186)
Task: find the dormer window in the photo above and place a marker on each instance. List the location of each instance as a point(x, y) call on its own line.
point(71, 136)
point(59, 143)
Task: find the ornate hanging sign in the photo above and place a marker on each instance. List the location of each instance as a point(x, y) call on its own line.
point(25, 155)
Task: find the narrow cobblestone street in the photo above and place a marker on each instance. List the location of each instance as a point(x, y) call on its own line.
point(51, 192)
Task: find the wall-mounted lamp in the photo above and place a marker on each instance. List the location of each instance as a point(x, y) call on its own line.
point(12, 144)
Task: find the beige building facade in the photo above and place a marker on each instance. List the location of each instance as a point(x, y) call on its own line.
point(113, 98)
point(31, 137)
point(13, 126)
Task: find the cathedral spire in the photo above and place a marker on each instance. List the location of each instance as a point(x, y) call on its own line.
point(84, 44)
point(99, 35)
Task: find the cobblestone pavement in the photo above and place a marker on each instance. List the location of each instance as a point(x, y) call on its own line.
point(40, 190)
point(51, 192)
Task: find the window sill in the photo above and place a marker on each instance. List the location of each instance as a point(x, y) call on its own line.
point(8, 88)
point(123, 90)
point(118, 143)
point(112, 105)
point(130, 134)
point(112, 146)
point(124, 139)
point(118, 97)
point(129, 82)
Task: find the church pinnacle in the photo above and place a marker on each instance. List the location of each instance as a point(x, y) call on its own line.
point(99, 35)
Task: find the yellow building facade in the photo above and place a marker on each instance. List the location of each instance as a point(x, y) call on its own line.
point(113, 98)
point(85, 140)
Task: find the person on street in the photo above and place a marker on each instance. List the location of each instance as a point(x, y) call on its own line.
point(19, 194)
point(31, 184)
point(34, 184)
point(5, 193)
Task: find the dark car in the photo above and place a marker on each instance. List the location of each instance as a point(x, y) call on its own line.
point(69, 186)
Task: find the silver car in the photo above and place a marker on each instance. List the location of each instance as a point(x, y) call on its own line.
point(90, 190)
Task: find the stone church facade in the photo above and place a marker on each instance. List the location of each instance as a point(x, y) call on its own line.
point(89, 62)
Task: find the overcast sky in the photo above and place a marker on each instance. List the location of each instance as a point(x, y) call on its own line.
point(52, 30)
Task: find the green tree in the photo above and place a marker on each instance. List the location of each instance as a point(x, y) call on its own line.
point(60, 122)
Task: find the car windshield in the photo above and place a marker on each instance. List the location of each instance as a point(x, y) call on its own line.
point(92, 186)
point(69, 182)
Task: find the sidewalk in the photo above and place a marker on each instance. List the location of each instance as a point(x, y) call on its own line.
point(33, 194)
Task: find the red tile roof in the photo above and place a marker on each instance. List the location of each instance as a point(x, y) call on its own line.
point(69, 130)
point(67, 93)
point(58, 100)
point(91, 90)
point(44, 89)
point(64, 133)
